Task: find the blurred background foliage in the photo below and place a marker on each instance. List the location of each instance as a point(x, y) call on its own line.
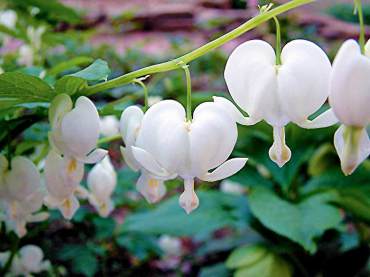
point(305, 219)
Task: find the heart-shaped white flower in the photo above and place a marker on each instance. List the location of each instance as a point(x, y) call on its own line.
point(21, 193)
point(102, 180)
point(280, 94)
point(350, 100)
point(150, 186)
point(168, 145)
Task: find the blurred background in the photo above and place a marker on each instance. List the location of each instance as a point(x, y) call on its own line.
point(305, 219)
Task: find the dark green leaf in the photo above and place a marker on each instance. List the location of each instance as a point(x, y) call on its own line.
point(216, 210)
point(69, 85)
point(69, 64)
point(246, 256)
point(302, 222)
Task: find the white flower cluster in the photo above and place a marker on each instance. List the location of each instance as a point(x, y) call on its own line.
point(162, 144)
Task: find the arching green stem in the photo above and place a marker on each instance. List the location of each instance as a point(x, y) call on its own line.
point(145, 90)
point(187, 58)
point(278, 41)
point(360, 14)
point(188, 92)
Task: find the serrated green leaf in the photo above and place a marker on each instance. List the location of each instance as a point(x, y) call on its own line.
point(302, 222)
point(246, 256)
point(97, 71)
point(23, 88)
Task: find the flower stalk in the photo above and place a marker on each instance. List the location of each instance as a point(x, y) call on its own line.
point(278, 41)
point(188, 92)
point(187, 58)
point(358, 5)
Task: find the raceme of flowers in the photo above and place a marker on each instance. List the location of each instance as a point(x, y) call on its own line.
point(163, 143)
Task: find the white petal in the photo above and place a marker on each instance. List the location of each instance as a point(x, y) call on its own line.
point(213, 135)
point(164, 134)
point(234, 112)
point(279, 151)
point(59, 184)
point(39, 217)
point(250, 75)
point(148, 162)
point(59, 107)
point(95, 156)
point(151, 188)
point(23, 179)
point(129, 158)
point(303, 79)
point(102, 180)
point(324, 120)
point(80, 128)
point(130, 123)
point(351, 154)
point(228, 168)
point(350, 86)
point(188, 199)
point(31, 257)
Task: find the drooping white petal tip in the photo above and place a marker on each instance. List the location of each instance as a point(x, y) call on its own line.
point(188, 200)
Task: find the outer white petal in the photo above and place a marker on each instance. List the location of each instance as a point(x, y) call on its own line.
point(102, 180)
point(151, 188)
point(23, 179)
point(80, 128)
point(228, 168)
point(233, 111)
point(59, 107)
point(164, 134)
point(148, 162)
point(303, 79)
point(58, 183)
point(129, 158)
point(69, 207)
point(8, 18)
point(279, 152)
point(324, 120)
point(251, 77)
point(350, 161)
point(130, 123)
point(350, 85)
point(95, 156)
point(213, 135)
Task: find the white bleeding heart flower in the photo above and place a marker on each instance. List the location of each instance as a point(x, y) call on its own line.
point(171, 246)
point(29, 259)
point(75, 131)
point(102, 180)
point(62, 178)
point(8, 18)
point(21, 194)
point(109, 126)
point(167, 145)
point(350, 100)
point(279, 94)
point(150, 186)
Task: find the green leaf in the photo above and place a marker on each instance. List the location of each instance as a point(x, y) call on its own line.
point(23, 88)
point(218, 270)
point(216, 210)
point(104, 227)
point(246, 256)
point(97, 71)
point(269, 265)
point(69, 85)
point(69, 64)
point(302, 222)
point(83, 260)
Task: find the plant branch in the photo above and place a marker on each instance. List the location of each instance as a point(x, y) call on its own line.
point(187, 58)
